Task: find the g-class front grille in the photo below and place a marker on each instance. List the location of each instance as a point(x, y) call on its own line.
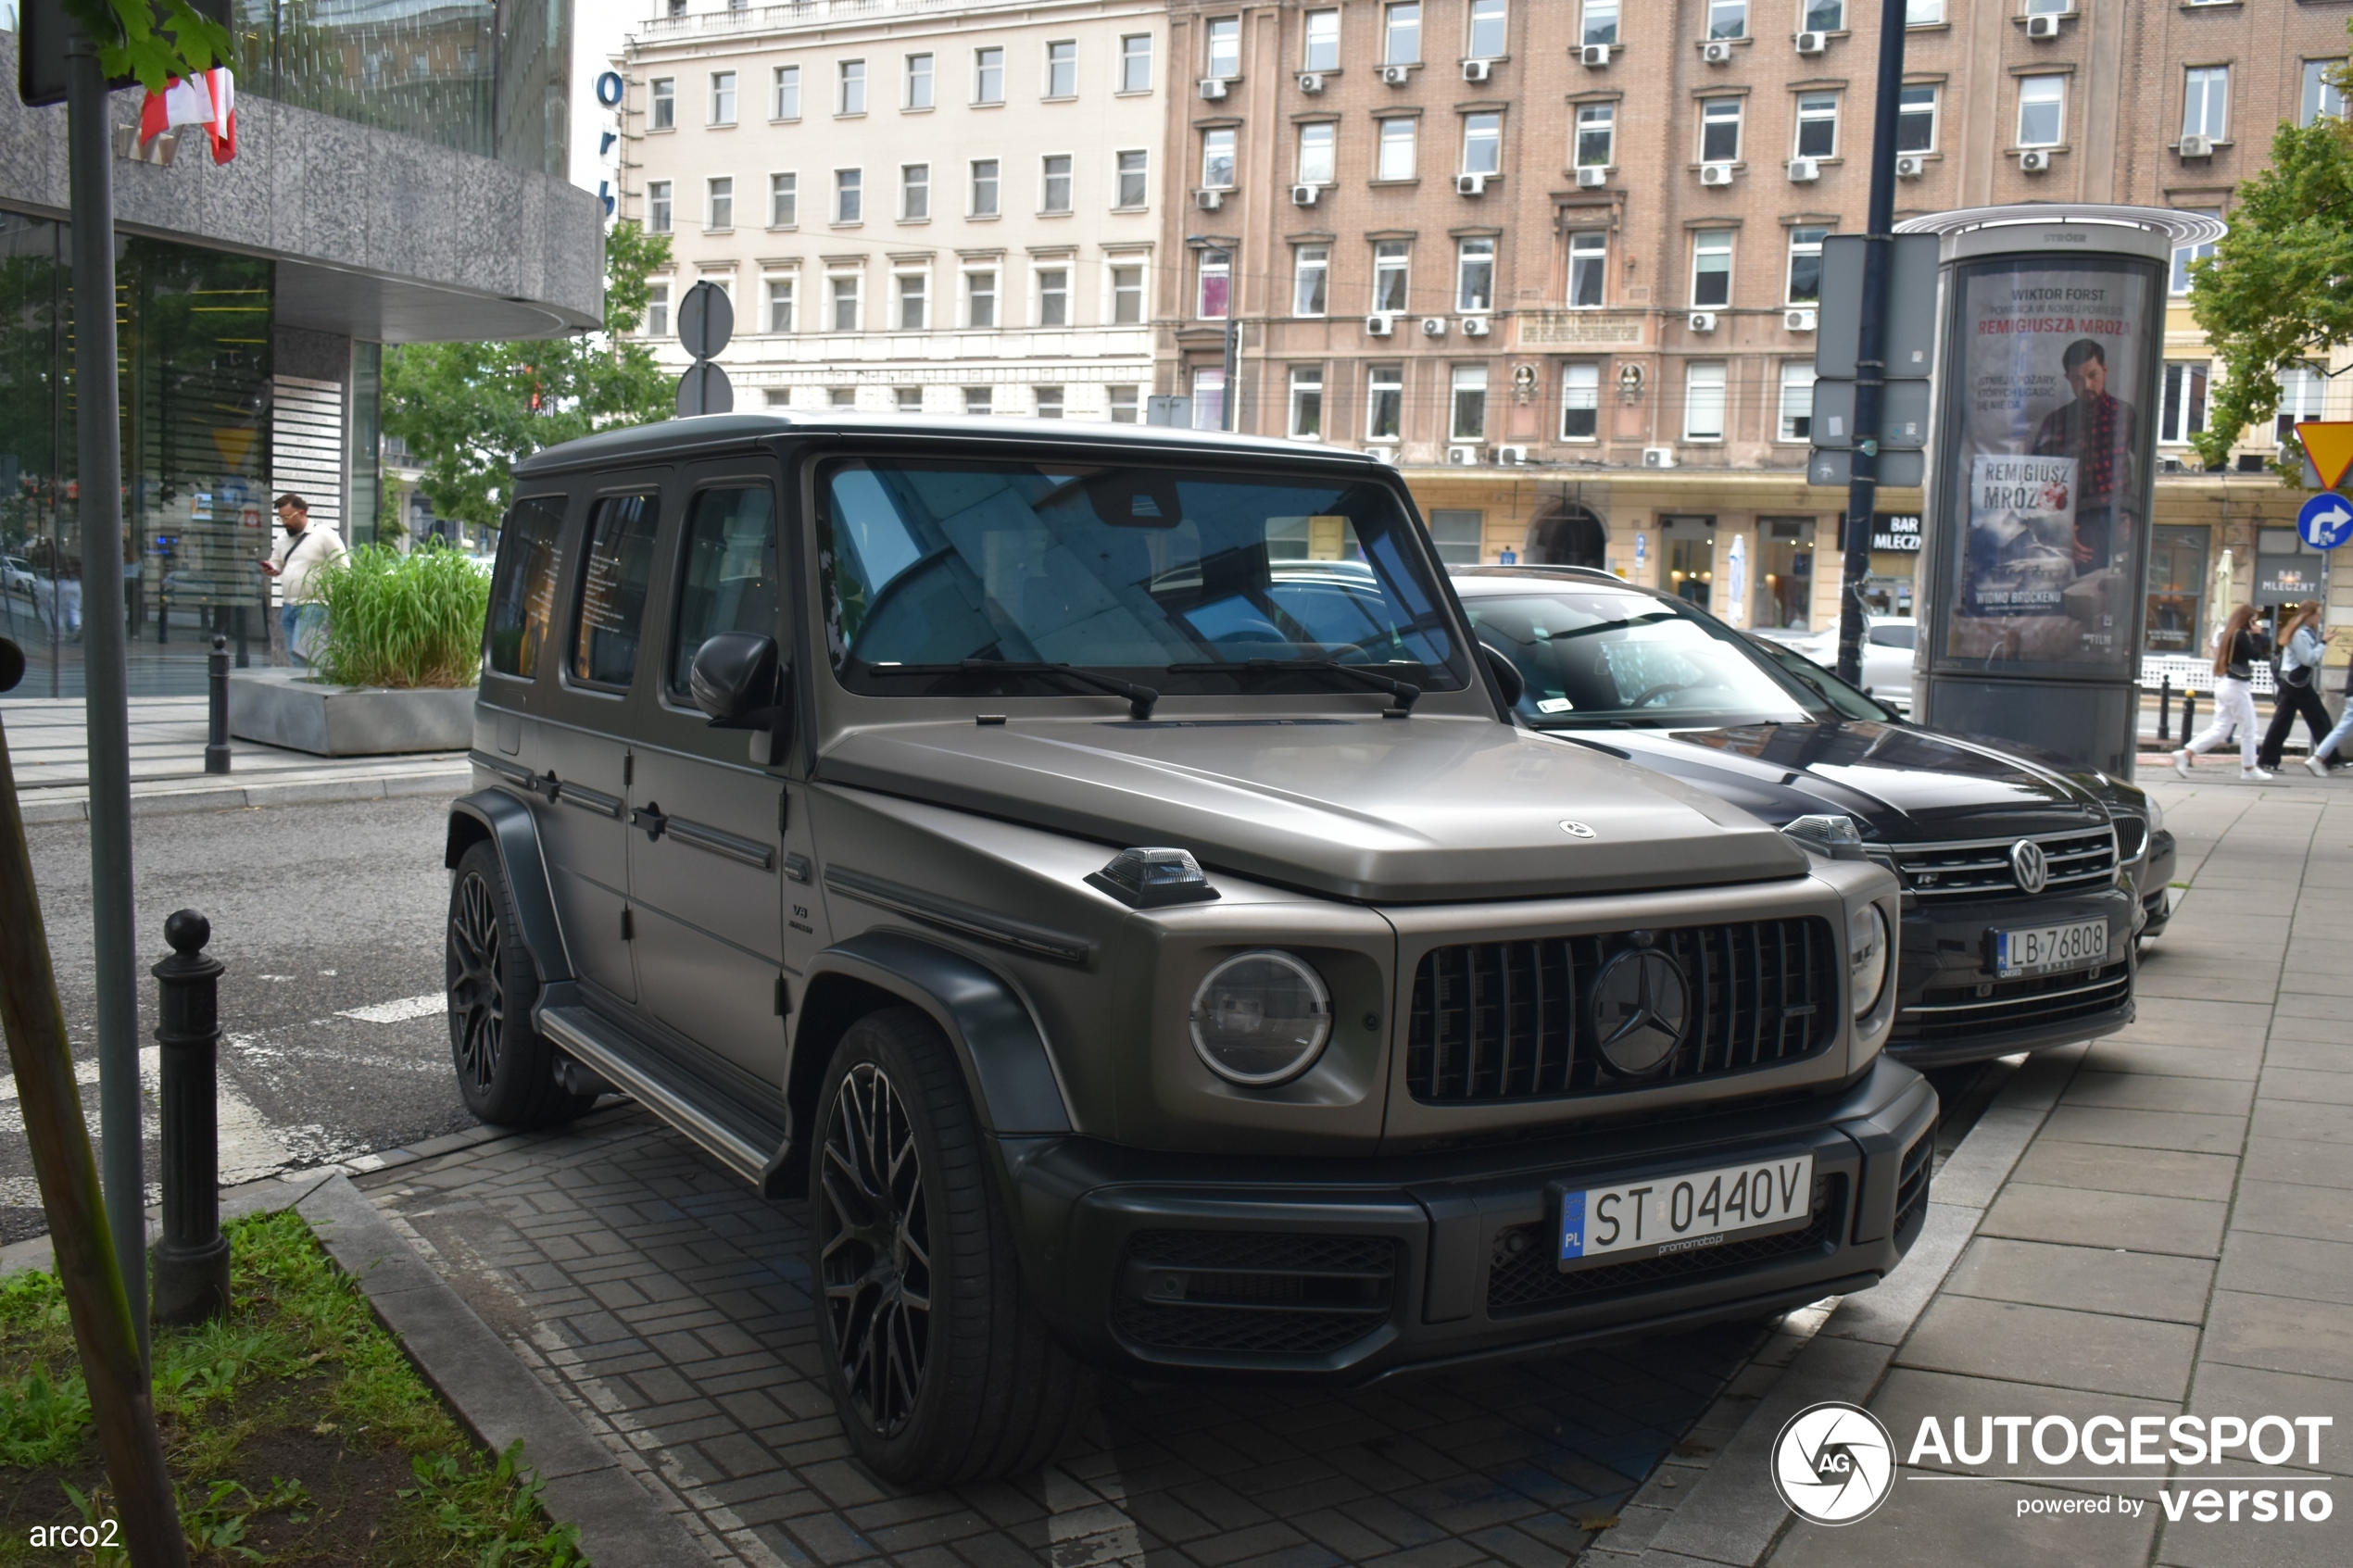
point(1524, 1276)
point(1961, 1012)
point(1512, 1020)
point(1250, 1294)
point(2082, 861)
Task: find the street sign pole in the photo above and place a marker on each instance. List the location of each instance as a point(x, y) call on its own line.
point(1870, 359)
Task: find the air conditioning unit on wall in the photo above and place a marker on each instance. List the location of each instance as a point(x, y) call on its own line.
point(1799, 321)
point(2041, 26)
point(1209, 201)
point(2034, 160)
point(1380, 326)
point(1589, 177)
point(2197, 146)
point(1813, 42)
point(1658, 457)
point(1702, 321)
point(1804, 170)
point(1471, 184)
point(1433, 326)
point(1715, 173)
point(1910, 166)
point(1396, 76)
point(1595, 55)
point(1475, 326)
point(1304, 196)
point(1463, 456)
point(1212, 88)
point(1311, 82)
point(1716, 52)
point(1512, 457)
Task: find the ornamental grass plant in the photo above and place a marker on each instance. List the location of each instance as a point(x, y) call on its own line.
point(404, 620)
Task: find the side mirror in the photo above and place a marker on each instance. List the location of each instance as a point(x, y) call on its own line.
point(736, 681)
point(1506, 674)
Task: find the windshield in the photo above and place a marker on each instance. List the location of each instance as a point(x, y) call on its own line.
point(1158, 574)
point(1594, 657)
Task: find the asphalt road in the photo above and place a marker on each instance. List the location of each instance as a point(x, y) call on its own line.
point(318, 912)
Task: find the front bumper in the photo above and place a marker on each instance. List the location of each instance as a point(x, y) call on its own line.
point(1351, 1270)
point(1953, 1007)
point(2156, 880)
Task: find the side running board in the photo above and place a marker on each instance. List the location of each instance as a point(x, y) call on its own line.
point(737, 1135)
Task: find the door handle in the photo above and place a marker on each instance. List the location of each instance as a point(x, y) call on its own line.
point(650, 818)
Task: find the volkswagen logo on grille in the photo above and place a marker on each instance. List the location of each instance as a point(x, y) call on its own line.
point(1640, 1002)
point(2028, 867)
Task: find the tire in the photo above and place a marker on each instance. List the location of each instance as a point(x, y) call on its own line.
point(941, 1370)
point(506, 1068)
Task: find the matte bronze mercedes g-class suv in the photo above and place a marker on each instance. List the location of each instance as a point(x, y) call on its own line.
point(1096, 869)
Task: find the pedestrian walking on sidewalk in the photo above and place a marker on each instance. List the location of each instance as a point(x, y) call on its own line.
point(307, 549)
point(2330, 749)
point(2237, 650)
point(2296, 694)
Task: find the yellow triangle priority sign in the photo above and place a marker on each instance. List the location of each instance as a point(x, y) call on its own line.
point(2329, 445)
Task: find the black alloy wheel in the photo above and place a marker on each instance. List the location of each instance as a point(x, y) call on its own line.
point(875, 1249)
point(506, 1068)
point(477, 992)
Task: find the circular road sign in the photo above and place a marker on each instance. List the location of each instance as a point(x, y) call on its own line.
point(704, 389)
point(706, 320)
point(2326, 520)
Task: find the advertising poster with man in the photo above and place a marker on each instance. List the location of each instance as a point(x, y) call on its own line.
point(2049, 452)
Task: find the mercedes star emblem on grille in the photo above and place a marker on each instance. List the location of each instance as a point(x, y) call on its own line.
point(2027, 866)
point(1576, 830)
point(1640, 1001)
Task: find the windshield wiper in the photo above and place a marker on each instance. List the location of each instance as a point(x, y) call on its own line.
point(1404, 693)
point(1140, 699)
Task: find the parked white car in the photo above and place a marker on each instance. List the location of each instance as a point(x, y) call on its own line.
point(1887, 655)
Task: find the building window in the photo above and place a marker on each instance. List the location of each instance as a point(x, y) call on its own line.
point(841, 397)
point(1049, 402)
point(2185, 411)
point(1469, 405)
point(1390, 260)
point(1126, 295)
point(1805, 265)
point(1396, 150)
point(1310, 267)
point(2302, 389)
point(1307, 403)
point(2042, 110)
point(1316, 157)
point(849, 195)
point(658, 207)
point(784, 201)
point(1402, 35)
point(984, 202)
point(1486, 29)
point(1459, 532)
point(1215, 275)
point(780, 303)
point(723, 97)
point(2322, 96)
point(1704, 401)
point(1824, 16)
point(1122, 401)
point(989, 76)
point(657, 310)
point(981, 299)
point(1482, 143)
point(915, 191)
point(1817, 125)
point(1053, 187)
point(910, 399)
point(1600, 22)
point(845, 290)
point(1224, 38)
point(2205, 102)
point(1596, 135)
point(664, 104)
point(1474, 275)
point(1133, 187)
point(1580, 402)
point(1798, 400)
point(785, 93)
point(1209, 399)
point(1136, 62)
point(720, 210)
point(1916, 120)
point(919, 87)
point(852, 97)
point(1719, 130)
point(1588, 267)
point(1217, 160)
point(977, 400)
point(1053, 296)
point(1711, 267)
point(1923, 13)
point(1322, 49)
point(914, 301)
point(1062, 68)
point(1728, 19)
point(1384, 402)
point(1784, 572)
point(2184, 254)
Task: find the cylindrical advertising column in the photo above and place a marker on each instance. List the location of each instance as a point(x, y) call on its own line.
point(2037, 527)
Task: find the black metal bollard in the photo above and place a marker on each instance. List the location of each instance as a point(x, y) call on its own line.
point(2189, 715)
point(192, 1260)
point(215, 744)
point(2165, 708)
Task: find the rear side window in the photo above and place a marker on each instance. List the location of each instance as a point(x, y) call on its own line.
point(727, 579)
point(523, 595)
point(613, 589)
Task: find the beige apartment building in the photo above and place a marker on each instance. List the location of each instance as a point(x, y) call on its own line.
point(1560, 258)
point(951, 207)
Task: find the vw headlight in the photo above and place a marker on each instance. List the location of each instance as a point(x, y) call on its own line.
point(2156, 814)
point(1866, 944)
point(1261, 1018)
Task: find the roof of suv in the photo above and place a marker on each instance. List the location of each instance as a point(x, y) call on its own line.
point(670, 438)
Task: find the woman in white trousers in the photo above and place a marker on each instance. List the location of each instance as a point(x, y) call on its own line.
point(2237, 652)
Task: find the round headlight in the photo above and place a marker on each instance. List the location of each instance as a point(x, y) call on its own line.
point(1866, 957)
point(1261, 1018)
point(2157, 816)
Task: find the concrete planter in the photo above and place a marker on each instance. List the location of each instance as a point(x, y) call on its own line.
point(283, 708)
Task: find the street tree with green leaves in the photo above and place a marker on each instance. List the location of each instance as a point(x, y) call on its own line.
point(470, 411)
point(153, 40)
point(2278, 290)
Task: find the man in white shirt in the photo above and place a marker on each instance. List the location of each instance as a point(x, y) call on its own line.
point(307, 549)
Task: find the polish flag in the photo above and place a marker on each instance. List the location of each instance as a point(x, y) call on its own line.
point(209, 100)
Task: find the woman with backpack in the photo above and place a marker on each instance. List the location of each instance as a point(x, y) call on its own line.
point(2237, 649)
point(2297, 681)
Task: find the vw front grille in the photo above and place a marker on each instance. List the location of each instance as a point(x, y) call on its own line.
point(1961, 1012)
point(2081, 862)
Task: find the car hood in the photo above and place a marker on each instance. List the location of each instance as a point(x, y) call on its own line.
point(1907, 784)
point(1410, 809)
